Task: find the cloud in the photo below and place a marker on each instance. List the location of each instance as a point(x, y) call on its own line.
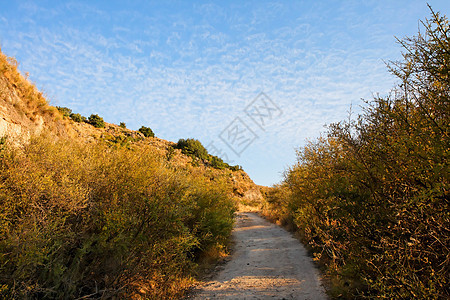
point(190, 71)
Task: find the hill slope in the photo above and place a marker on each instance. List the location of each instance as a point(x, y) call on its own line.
point(24, 112)
point(101, 212)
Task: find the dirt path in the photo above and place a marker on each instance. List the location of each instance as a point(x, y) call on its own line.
point(267, 263)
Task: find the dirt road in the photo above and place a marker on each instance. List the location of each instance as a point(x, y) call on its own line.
point(267, 263)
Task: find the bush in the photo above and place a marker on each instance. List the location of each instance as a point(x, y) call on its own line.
point(193, 148)
point(64, 110)
point(170, 153)
point(81, 219)
point(122, 125)
point(371, 198)
point(146, 131)
point(78, 118)
point(235, 167)
point(217, 162)
point(96, 121)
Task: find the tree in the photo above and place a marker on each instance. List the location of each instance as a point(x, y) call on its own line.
point(424, 72)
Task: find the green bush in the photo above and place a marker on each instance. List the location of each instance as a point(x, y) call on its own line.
point(146, 131)
point(78, 118)
point(235, 167)
point(64, 110)
point(193, 148)
point(217, 162)
point(123, 125)
point(96, 121)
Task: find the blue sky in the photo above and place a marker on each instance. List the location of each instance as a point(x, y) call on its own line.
point(192, 68)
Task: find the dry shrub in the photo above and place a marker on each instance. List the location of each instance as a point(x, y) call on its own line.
point(372, 198)
point(80, 219)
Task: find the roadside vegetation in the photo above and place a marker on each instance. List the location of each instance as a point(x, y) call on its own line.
point(123, 216)
point(81, 219)
point(371, 197)
point(101, 217)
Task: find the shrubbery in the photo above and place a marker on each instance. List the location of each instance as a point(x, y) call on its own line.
point(67, 112)
point(78, 118)
point(92, 221)
point(195, 149)
point(81, 219)
point(64, 110)
point(235, 167)
point(372, 198)
point(146, 131)
point(96, 121)
point(217, 162)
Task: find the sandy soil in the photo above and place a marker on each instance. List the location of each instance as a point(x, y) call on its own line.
point(267, 263)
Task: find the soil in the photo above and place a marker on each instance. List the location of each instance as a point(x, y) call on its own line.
point(267, 263)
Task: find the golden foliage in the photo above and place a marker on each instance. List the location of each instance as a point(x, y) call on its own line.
point(86, 218)
point(372, 198)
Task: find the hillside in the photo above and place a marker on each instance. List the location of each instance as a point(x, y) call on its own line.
point(24, 112)
point(103, 212)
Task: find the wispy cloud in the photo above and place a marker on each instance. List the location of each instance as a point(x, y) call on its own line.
point(190, 70)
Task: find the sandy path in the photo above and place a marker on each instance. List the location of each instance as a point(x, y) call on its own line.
point(267, 263)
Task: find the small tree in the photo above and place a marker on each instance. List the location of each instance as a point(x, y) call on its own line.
point(123, 125)
point(96, 121)
point(146, 131)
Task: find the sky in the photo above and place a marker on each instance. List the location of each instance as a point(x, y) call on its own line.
point(252, 80)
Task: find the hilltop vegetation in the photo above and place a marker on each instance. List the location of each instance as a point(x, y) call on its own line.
point(196, 150)
point(371, 198)
point(95, 210)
